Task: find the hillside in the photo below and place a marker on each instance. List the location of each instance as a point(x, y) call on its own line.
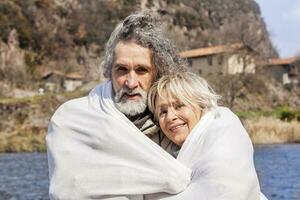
point(68, 36)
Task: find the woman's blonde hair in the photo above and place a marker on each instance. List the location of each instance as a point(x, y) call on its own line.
point(187, 87)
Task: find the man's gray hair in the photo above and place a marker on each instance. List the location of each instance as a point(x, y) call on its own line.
point(145, 29)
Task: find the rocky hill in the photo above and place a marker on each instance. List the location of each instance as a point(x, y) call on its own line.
point(69, 35)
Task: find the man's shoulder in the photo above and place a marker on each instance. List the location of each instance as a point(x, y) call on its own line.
point(71, 106)
point(74, 103)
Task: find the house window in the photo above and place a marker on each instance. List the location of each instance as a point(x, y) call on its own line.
point(190, 62)
point(240, 60)
point(220, 60)
point(210, 60)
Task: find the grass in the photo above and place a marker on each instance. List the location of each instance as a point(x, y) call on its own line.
point(18, 134)
point(283, 113)
point(24, 140)
point(281, 125)
point(269, 130)
point(37, 98)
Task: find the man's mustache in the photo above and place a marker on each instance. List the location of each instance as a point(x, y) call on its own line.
point(124, 92)
point(130, 93)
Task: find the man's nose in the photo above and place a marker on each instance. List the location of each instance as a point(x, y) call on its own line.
point(131, 81)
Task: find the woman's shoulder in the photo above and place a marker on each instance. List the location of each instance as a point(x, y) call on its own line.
point(226, 123)
point(224, 115)
point(224, 110)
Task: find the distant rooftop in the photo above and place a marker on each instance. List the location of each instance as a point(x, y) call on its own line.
point(281, 61)
point(211, 50)
point(72, 75)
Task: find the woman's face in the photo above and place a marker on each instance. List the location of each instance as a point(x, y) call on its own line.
point(176, 119)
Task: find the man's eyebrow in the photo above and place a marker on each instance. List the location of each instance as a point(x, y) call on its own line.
point(119, 65)
point(145, 66)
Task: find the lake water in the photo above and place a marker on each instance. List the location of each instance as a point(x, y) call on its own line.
point(24, 176)
point(278, 168)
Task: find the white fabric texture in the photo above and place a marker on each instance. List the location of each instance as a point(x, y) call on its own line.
point(220, 153)
point(95, 152)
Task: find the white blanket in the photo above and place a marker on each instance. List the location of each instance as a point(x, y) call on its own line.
point(220, 153)
point(95, 152)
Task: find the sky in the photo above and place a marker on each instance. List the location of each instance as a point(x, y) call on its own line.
point(282, 18)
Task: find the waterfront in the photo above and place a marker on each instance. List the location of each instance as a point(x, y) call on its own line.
point(278, 170)
point(24, 176)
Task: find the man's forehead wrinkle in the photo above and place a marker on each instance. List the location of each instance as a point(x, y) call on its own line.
point(133, 54)
point(138, 63)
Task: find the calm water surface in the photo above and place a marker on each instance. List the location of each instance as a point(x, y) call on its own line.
point(24, 176)
point(278, 168)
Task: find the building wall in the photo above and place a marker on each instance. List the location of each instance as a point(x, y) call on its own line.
point(71, 85)
point(222, 64)
point(240, 64)
point(279, 71)
point(207, 65)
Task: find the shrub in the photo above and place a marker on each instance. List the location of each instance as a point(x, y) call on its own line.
point(11, 17)
point(286, 114)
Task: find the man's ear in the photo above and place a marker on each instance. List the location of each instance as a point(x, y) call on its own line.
point(155, 71)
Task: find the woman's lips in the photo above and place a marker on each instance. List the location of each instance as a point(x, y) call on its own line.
point(177, 127)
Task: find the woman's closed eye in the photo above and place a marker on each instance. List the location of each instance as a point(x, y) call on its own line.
point(162, 112)
point(177, 106)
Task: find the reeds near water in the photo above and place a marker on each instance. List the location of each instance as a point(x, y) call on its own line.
point(263, 130)
point(269, 130)
point(23, 141)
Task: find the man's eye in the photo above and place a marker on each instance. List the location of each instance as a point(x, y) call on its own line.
point(121, 69)
point(141, 70)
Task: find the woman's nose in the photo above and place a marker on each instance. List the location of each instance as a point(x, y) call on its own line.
point(171, 115)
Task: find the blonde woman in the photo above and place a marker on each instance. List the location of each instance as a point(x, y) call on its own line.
point(211, 140)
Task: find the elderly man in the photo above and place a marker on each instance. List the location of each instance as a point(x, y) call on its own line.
point(97, 148)
point(136, 55)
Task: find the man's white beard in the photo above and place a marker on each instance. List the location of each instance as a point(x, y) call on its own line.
point(130, 107)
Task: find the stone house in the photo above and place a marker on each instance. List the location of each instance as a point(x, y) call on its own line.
point(285, 70)
point(223, 59)
point(57, 81)
point(72, 81)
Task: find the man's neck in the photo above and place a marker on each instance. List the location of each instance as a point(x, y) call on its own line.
point(136, 117)
point(140, 119)
point(144, 123)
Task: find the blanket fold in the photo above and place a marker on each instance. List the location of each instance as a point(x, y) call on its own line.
point(220, 154)
point(95, 152)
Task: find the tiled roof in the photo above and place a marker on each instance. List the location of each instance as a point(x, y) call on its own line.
point(71, 75)
point(210, 50)
point(282, 61)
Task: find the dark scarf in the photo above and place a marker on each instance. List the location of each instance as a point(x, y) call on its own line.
point(145, 123)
